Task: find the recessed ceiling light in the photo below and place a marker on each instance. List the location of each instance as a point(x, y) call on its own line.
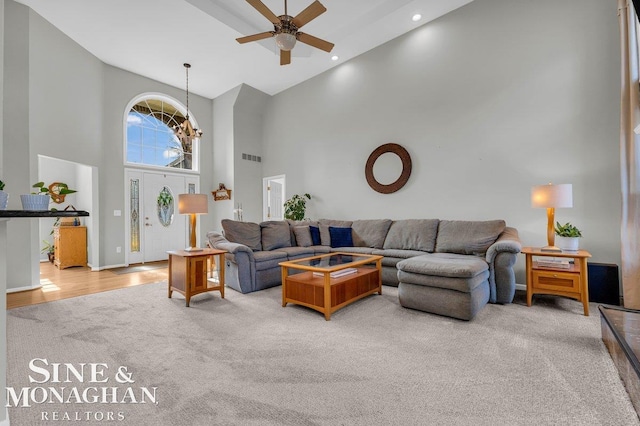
point(416, 17)
point(335, 57)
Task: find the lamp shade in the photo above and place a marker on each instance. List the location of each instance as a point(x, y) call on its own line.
point(193, 204)
point(552, 196)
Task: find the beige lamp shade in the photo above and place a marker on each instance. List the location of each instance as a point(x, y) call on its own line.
point(193, 204)
point(555, 196)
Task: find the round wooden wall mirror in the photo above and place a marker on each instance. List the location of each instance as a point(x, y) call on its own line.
point(404, 156)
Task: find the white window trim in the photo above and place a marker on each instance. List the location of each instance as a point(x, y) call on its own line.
point(195, 154)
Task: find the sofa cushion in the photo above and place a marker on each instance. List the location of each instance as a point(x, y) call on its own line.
point(403, 254)
point(268, 259)
point(412, 234)
point(297, 252)
point(303, 236)
point(340, 237)
point(247, 233)
point(442, 266)
point(370, 233)
point(324, 224)
point(275, 234)
point(467, 237)
point(355, 250)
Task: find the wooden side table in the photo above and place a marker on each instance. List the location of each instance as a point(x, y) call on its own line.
point(188, 272)
point(570, 282)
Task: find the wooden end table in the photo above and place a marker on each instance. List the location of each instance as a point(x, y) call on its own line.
point(188, 272)
point(571, 281)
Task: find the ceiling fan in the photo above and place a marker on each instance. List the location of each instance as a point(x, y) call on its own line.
point(285, 29)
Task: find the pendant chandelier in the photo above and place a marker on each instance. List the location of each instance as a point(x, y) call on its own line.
point(185, 131)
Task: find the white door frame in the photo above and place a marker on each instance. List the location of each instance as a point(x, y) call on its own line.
point(138, 173)
point(265, 193)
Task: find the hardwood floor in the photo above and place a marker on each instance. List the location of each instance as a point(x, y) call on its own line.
point(72, 282)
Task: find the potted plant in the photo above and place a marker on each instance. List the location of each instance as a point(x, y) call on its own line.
point(567, 237)
point(39, 199)
point(4, 197)
point(48, 248)
point(295, 207)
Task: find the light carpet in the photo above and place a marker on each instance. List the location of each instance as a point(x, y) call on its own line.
point(246, 360)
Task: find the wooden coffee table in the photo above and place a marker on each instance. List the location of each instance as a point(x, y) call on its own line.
point(316, 289)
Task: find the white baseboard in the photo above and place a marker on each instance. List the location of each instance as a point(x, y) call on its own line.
point(101, 268)
point(25, 288)
point(5, 422)
point(522, 287)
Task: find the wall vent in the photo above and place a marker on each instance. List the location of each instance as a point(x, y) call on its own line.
point(250, 157)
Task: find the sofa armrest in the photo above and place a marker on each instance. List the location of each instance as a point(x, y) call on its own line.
point(501, 256)
point(507, 242)
point(218, 241)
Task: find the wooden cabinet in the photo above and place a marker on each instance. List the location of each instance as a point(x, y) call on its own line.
point(70, 246)
point(569, 281)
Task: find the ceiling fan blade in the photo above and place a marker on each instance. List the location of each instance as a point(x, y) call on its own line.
point(264, 10)
point(255, 37)
point(314, 10)
point(315, 42)
point(285, 57)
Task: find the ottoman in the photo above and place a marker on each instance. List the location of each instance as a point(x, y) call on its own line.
point(445, 284)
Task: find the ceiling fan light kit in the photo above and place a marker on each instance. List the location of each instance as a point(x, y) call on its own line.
point(285, 29)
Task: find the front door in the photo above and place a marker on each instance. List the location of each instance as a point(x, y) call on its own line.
point(155, 225)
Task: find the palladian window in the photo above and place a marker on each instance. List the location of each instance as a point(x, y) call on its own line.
point(150, 139)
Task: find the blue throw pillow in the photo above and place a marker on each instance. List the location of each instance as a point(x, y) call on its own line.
point(340, 237)
point(315, 235)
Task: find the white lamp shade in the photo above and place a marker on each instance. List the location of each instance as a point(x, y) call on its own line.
point(193, 204)
point(555, 196)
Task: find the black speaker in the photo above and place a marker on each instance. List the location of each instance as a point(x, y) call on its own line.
point(604, 284)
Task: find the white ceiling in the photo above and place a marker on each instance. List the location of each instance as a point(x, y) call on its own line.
point(154, 38)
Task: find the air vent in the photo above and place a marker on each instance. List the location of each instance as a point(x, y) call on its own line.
point(250, 157)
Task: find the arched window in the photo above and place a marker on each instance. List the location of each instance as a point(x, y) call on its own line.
point(150, 139)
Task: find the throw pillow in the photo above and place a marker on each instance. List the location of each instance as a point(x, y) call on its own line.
point(246, 233)
point(315, 235)
point(325, 238)
point(275, 234)
point(340, 237)
point(303, 236)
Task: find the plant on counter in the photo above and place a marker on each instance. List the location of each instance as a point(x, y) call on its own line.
point(1, 185)
point(567, 230)
point(296, 206)
point(57, 190)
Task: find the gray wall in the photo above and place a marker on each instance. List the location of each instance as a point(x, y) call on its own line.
point(489, 100)
point(3, 243)
point(120, 87)
point(68, 104)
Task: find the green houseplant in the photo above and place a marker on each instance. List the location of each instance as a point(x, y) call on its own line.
point(42, 194)
point(296, 206)
point(48, 248)
point(568, 237)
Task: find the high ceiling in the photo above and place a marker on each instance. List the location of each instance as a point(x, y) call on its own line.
point(154, 38)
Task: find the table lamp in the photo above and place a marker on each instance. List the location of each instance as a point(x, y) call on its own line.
point(192, 204)
point(551, 197)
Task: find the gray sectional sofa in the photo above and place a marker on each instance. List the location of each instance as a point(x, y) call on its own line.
point(441, 266)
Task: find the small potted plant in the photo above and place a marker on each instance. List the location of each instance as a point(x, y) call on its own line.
point(296, 206)
point(4, 197)
point(48, 248)
point(43, 194)
point(567, 237)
